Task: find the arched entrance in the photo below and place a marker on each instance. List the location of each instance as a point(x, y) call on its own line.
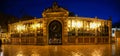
point(55, 33)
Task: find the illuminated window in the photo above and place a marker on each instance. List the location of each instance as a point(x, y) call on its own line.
point(71, 27)
point(40, 29)
point(20, 28)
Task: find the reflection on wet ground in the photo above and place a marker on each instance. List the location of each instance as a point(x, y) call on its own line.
point(61, 50)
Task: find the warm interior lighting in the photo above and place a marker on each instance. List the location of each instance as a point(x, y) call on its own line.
point(20, 28)
point(79, 24)
point(37, 25)
point(98, 24)
point(94, 25)
point(69, 23)
point(73, 23)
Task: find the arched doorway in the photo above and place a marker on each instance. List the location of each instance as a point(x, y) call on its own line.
point(55, 33)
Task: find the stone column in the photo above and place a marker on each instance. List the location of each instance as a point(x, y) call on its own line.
point(45, 33)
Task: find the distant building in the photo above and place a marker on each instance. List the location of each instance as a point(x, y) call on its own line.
point(114, 30)
point(116, 34)
point(57, 27)
point(3, 35)
point(5, 19)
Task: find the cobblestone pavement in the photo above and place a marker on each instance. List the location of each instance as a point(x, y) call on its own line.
point(60, 50)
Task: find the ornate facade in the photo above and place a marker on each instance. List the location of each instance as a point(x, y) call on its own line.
point(57, 27)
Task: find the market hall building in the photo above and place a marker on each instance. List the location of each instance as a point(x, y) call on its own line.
point(57, 27)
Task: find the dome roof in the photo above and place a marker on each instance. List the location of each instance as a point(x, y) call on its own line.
point(55, 11)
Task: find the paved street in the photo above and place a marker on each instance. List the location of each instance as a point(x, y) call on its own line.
point(60, 50)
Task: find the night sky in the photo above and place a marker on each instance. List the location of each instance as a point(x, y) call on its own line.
point(85, 8)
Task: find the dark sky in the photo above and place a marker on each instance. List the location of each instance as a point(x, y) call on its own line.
point(85, 8)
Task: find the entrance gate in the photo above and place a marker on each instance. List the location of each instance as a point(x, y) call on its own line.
point(55, 33)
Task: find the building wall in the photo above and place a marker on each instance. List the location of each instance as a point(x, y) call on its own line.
point(117, 34)
point(3, 37)
point(114, 30)
point(95, 38)
point(75, 30)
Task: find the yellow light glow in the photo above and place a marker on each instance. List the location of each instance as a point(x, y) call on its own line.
point(79, 24)
point(69, 22)
point(37, 25)
point(20, 28)
point(97, 53)
point(33, 26)
point(68, 25)
point(35, 54)
point(94, 25)
point(73, 23)
point(98, 24)
point(77, 54)
point(41, 25)
point(19, 54)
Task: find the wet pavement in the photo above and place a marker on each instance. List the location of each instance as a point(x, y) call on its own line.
point(61, 50)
